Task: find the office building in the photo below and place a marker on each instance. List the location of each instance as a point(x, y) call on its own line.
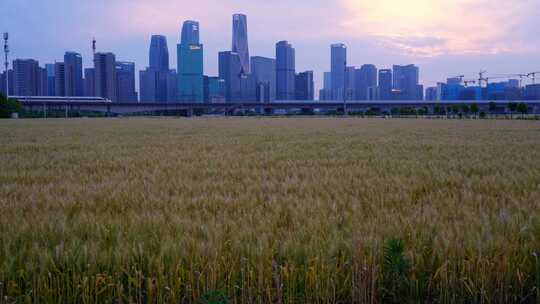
point(365, 78)
point(190, 64)
point(304, 86)
point(239, 87)
point(125, 82)
point(158, 54)
point(285, 71)
point(73, 74)
point(350, 75)
point(51, 87)
point(3, 82)
point(157, 83)
point(338, 64)
point(264, 71)
point(26, 77)
point(214, 89)
point(89, 80)
point(326, 92)
point(405, 80)
point(532, 92)
point(230, 70)
point(240, 41)
point(59, 79)
point(385, 84)
point(431, 94)
point(105, 76)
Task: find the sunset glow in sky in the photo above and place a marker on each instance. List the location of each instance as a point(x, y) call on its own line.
point(444, 37)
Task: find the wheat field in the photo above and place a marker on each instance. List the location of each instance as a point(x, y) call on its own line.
point(269, 210)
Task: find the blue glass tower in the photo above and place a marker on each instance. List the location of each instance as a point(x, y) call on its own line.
point(240, 41)
point(190, 64)
point(73, 77)
point(159, 53)
point(338, 64)
point(285, 70)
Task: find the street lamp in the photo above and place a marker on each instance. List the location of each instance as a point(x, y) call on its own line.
point(6, 63)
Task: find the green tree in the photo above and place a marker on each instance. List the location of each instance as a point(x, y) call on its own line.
point(492, 107)
point(465, 109)
point(475, 108)
point(455, 109)
point(522, 108)
point(9, 106)
point(512, 106)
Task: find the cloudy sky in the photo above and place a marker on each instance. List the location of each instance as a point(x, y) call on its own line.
point(444, 37)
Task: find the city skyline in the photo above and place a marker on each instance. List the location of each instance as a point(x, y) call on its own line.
point(128, 38)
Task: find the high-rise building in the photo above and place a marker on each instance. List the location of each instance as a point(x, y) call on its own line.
point(43, 82)
point(3, 82)
point(385, 84)
point(240, 41)
point(125, 81)
point(190, 64)
point(89, 82)
point(350, 76)
point(365, 78)
point(214, 89)
point(51, 90)
point(338, 64)
point(264, 71)
point(431, 94)
point(59, 79)
point(172, 86)
point(405, 80)
point(159, 53)
point(190, 32)
point(26, 77)
point(230, 70)
point(105, 76)
point(157, 83)
point(326, 92)
point(285, 71)
point(304, 86)
point(73, 74)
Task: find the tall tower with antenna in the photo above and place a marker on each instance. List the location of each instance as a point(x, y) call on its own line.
point(6, 62)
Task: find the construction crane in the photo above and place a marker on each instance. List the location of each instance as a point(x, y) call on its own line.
point(467, 82)
point(533, 74)
point(520, 78)
point(482, 79)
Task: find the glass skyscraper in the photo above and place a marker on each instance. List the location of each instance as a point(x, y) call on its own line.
point(230, 70)
point(365, 78)
point(105, 76)
point(73, 74)
point(190, 64)
point(304, 86)
point(159, 53)
point(240, 41)
point(285, 70)
point(405, 80)
point(264, 71)
point(338, 64)
point(157, 83)
point(125, 81)
point(385, 84)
